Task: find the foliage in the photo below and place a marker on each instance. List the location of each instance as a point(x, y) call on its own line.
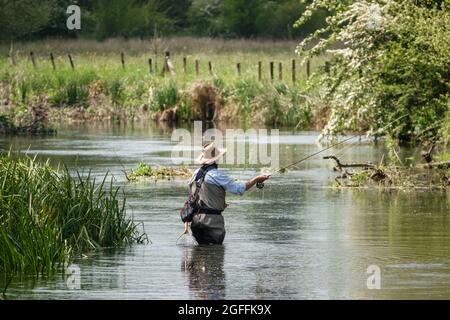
point(48, 215)
point(392, 62)
point(161, 173)
point(164, 97)
point(129, 18)
point(103, 19)
point(100, 88)
point(21, 17)
point(237, 17)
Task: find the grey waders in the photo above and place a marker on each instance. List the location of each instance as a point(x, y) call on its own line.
point(208, 225)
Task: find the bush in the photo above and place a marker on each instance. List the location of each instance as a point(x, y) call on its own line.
point(394, 63)
point(165, 97)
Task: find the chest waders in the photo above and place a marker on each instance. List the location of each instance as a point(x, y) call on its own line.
point(208, 225)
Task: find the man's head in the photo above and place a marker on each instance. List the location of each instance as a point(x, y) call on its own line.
point(210, 154)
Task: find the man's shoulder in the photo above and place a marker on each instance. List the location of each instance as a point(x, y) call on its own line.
point(217, 176)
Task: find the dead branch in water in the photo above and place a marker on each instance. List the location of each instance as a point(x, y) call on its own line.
point(340, 165)
point(438, 165)
point(390, 176)
point(374, 173)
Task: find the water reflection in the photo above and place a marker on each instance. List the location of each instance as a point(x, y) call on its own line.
point(295, 239)
point(203, 266)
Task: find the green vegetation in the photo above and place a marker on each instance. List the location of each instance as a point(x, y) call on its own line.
point(396, 177)
point(393, 61)
point(33, 122)
point(161, 173)
point(21, 19)
point(47, 216)
point(100, 88)
point(376, 62)
point(394, 173)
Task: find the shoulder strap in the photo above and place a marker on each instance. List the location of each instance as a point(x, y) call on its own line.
point(200, 177)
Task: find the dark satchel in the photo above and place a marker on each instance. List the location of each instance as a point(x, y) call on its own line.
point(191, 206)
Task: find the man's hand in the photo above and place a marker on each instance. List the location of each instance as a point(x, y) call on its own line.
point(262, 178)
point(259, 179)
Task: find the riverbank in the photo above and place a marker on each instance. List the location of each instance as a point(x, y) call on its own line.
point(255, 82)
point(252, 81)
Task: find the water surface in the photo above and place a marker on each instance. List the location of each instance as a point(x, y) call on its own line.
point(295, 239)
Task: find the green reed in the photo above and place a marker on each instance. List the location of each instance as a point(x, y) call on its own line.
point(47, 216)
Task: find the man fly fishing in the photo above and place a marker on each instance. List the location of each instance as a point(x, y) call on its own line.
point(208, 186)
point(207, 192)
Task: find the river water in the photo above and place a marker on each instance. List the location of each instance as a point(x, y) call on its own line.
point(298, 238)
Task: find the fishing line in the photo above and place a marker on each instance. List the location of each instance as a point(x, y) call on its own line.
point(283, 169)
point(348, 148)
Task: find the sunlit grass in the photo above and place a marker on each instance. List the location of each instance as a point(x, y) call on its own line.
point(99, 72)
point(47, 216)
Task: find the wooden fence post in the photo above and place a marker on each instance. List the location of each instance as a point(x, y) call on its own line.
point(259, 70)
point(13, 60)
point(11, 54)
point(168, 66)
point(71, 62)
point(52, 59)
point(185, 65)
point(33, 61)
point(271, 70)
point(280, 71)
point(238, 67)
point(294, 76)
point(308, 69)
point(210, 68)
point(150, 65)
point(122, 59)
point(197, 68)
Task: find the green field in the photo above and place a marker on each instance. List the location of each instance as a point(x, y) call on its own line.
point(105, 88)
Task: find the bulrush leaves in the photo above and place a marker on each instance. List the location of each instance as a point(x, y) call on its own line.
point(47, 216)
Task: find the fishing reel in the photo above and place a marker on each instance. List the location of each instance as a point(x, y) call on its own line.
point(260, 185)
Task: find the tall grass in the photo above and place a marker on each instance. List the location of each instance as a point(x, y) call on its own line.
point(47, 216)
point(99, 73)
point(136, 46)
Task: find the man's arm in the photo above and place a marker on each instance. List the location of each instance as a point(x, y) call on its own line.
point(259, 179)
point(230, 185)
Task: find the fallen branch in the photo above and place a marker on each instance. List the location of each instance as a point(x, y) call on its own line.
point(439, 165)
point(340, 165)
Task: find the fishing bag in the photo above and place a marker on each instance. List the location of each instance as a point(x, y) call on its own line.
point(191, 206)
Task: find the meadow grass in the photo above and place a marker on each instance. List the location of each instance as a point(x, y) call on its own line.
point(99, 75)
point(48, 215)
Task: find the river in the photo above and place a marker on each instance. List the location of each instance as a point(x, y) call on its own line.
point(298, 238)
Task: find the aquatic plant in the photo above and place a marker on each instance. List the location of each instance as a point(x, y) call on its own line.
point(158, 173)
point(393, 175)
point(49, 215)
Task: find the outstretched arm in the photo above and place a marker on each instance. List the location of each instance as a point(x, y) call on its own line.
point(259, 179)
point(232, 186)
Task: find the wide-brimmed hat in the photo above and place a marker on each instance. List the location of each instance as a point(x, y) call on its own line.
point(210, 154)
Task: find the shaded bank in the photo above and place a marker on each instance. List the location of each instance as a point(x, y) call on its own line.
point(33, 121)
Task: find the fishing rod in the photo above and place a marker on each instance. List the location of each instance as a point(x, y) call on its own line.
point(260, 185)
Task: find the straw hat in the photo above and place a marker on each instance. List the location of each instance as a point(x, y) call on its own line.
point(210, 154)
